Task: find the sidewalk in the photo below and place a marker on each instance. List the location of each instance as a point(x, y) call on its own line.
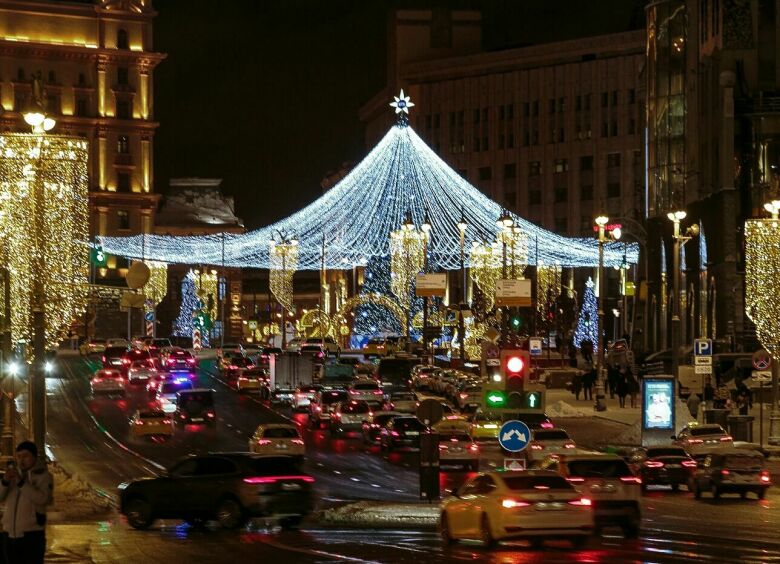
point(626, 415)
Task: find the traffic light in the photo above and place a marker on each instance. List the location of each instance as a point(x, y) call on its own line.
point(495, 399)
point(515, 322)
point(98, 257)
point(515, 364)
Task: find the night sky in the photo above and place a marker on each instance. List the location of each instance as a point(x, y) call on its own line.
point(265, 94)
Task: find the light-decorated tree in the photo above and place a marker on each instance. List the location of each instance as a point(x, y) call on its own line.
point(371, 319)
point(190, 305)
point(587, 322)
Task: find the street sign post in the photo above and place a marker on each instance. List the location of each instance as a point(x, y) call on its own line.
point(514, 436)
point(431, 285)
point(762, 360)
point(513, 293)
point(702, 347)
point(535, 346)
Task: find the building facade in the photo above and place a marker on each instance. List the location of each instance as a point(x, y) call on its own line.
point(553, 131)
point(96, 61)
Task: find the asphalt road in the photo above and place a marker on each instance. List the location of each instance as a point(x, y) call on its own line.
point(676, 528)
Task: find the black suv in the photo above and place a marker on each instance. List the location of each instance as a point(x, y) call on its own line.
point(195, 406)
point(229, 487)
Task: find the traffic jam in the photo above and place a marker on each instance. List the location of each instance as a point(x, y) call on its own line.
point(513, 472)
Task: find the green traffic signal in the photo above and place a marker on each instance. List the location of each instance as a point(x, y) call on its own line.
point(495, 398)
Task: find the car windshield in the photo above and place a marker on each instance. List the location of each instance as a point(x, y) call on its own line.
point(203, 398)
point(152, 415)
point(383, 418)
point(666, 451)
point(108, 375)
point(454, 437)
point(175, 386)
point(139, 364)
point(699, 431)
point(280, 433)
point(334, 397)
point(276, 466)
point(376, 341)
point(365, 386)
point(240, 362)
point(407, 424)
point(308, 389)
point(355, 407)
point(743, 462)
point(116, 351)
point(552, 435)
point(161, 343)
point(521, 482)
point(181, 354)
point(599, 468)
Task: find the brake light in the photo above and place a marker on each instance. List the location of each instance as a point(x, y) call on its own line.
point(274, 479)
point(263, 442)
point(765, 477)
point(297, 441)
point(631, 479)
point(513, 503)
point(695, 441)
point(317, 408)
point(569, 445)
point(575, 480)
point(97, 380)
point(125, 361)
point(583, 502)
point(104, 358)
point(210, 414)
point(474, 448)
point(725, 439)
point(171, 361)
point(725, 472)
point(377, 392)
point(394, 433)
point(232, 367)
point(463, 396)
point(191, 360)
point(547, 425)
point(442, 447)
point(139, 422)
point(689, 463)
point(654, 464)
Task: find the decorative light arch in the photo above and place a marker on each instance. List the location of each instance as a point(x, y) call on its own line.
point(376, 299)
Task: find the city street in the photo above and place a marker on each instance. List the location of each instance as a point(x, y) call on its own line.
point(676, 528)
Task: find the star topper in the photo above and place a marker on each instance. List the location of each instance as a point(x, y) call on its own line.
point(402, 103)
point(590, 283)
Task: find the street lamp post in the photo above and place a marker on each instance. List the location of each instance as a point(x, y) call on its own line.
point(426, 229)
point(504, 223)
point(462, 225)
point(604, 236)
point(679, 240)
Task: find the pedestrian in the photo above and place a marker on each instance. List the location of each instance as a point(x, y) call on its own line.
point(576, 385)
point(572, 355)
point(693, 405)
point(633, 387)
point(588, 380)
point(709, 393)
point(26, 488)
point(613, 377)
point(621, 386)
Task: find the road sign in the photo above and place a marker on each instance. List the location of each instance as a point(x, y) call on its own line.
point(513, 293)
point(702, 369)
point(493, 362)
point(702, 360)
point(702, 347)
point(762, 376)
point(149, 316)
point(762, 360)
point(430, 412)
point(514, 436)
point(429, 285)
point(514, 464)
point(535, 346)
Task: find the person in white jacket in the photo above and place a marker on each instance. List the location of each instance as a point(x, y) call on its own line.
point(26, 488)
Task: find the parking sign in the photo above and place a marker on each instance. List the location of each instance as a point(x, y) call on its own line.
point(702, 347)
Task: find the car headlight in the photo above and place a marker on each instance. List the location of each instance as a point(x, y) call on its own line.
point(123, 485)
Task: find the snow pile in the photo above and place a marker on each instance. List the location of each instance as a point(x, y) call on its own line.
point(563, 409)
point(73, 498)
point(632, 435)
point(379, 514)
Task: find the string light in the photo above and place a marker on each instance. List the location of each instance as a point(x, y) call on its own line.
point(157, 286)
point(762, 280)
point(587, 323)
point(485, 271)
point(548, 286)
point(407, 251)
point(190, 303)
point(50, 253)
point(206, 287)
point(355, 219)
point(284, 261)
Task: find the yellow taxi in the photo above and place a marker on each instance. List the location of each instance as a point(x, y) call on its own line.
point(375, 346)
point(148, 422)
point(277, 438)
point(485, 425)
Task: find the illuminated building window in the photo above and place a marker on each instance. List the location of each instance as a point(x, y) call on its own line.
point(123, 145)
point(123, 219)
point(561, 165)
point(123, 182)
point(121, 40)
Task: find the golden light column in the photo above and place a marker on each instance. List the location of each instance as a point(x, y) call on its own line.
point(407, 258)
point(284, 261)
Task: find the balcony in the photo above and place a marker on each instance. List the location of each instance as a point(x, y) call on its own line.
point(123, 159)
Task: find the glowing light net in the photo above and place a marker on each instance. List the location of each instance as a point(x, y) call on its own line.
point(355, 218)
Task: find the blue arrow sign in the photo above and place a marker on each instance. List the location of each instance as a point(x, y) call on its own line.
point(514, 436)
point(149, 316)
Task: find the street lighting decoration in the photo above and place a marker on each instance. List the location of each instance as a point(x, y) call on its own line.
point(157, 286)
point(407, 258)
point(284, 261)
point(43, 230)
point(762, 280)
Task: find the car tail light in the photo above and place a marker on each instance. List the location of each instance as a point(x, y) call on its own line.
point(547, 425)
point(210, 414)
point(725, 472)
point(725, 439)
point(337, 415)
point(263, 442)
point(104, 358)
point(139, 422)
point(689, 463)
point(191, 360)
point(442, 447)
point(370, 413)
point(536, 447)
point(631, 479)
point(297, 441)
point(765, 477)
point(274, 479)
point(474, 448)
point(575, 480)
point(125, 361)
point(695, 441)
point(583, 501)
point(171, 361)
point(317, 408)
point(569, 445)
point(463, 396)
point(395, 433)
point(654, 464)
point(377, 392)
point(97, 380)
point(513, 503)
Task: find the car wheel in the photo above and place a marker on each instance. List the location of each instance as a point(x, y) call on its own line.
point(675, 487)
point(290, 523)
point(444, 530)
point(139, 513)
point(196, 522)
point(743, 495)
point(696, 489)
point(579, 542)
point(761, 493)
point(631, 526)
point(230, 514)
point(475, 466)
point(485, 535)
point(715, 492)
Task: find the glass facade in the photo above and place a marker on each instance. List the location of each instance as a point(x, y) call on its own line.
point(666, 107)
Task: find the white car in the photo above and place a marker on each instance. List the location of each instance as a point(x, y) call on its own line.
point(349, 416)
point(469, 395)
point(457, 448)
point(117, 343)
point(330, 346)
point(694, 438)
point(167, 390)
point(366, 390)
point(545, 442)
point(277, 438)
point(304, 396)
point(405, 402)
point(532, 504)
point(141, 371)
point(108, 381)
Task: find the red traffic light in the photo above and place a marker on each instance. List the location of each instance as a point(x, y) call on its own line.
point(515, 364)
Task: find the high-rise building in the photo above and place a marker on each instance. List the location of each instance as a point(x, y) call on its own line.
point(551, 130)
point(95, 59)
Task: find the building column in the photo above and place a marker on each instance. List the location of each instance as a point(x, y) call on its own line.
point(146, 163)
point(143, 89)
point(102, 221)
point(102, 164)
point(102, 67)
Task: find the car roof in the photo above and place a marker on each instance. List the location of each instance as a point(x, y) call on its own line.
point(587, 456)
point(728, 450)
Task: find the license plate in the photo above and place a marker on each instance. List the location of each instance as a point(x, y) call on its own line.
point(116, 362)
point(281, 446)
point(412, 433)
point(673, 466)
point(291, 487)
point(196, 419)
point(543, 506)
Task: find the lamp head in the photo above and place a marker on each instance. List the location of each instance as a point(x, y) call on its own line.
point(616, 233)
point(602, 220)
point(677, 216)
point(693, 230)
point(48, 123)
point(34, 117)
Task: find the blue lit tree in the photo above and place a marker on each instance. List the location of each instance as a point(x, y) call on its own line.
point(587, 323)
point(371, 319)
point(190, 305)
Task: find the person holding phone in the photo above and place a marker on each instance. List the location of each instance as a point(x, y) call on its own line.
point(27, 488)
